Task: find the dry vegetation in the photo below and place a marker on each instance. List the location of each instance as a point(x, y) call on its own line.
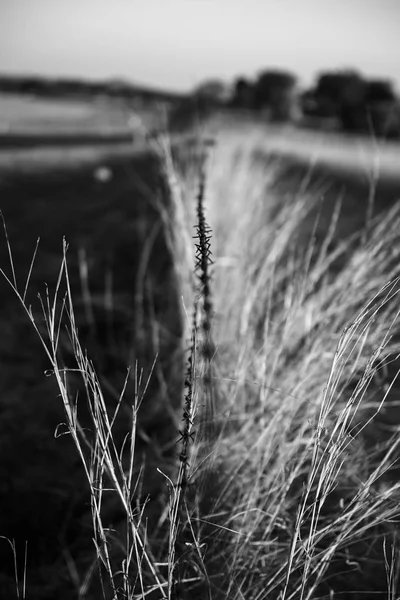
point(284, 482)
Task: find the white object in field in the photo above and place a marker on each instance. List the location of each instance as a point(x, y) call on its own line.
point(103, 174)
point(226, 261)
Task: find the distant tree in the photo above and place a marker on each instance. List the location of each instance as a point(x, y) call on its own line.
point(380, 90)
point(338, 88)
point(359, 105)
point(117, 88)
point(243, 94)
point(69, 86)
point(213, 91)
point(276, 91)
point(308, 102)
point(32, 85)
point(207, 97)
point(383, 108)
point(341, 94)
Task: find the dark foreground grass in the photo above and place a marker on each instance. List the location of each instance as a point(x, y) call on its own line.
point(290, 487)
point(126, 308)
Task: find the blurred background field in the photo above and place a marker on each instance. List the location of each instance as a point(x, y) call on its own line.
point(37, 115)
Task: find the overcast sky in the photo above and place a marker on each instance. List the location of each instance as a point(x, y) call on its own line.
point(177, 43)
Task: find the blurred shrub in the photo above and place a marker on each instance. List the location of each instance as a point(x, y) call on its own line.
point(207, 98)
point(243, 94)
point(358, 104)
point(276, 92)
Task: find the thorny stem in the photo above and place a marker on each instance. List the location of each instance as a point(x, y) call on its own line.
point(206, 352)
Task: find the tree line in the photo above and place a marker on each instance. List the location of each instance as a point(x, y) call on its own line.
point(71, 88)
point(341, 99)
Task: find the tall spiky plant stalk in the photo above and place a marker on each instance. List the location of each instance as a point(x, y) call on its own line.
point(201, 351)
point(203, 272)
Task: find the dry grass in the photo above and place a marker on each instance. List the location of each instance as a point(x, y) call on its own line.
point(311, 490)
point(288, 484)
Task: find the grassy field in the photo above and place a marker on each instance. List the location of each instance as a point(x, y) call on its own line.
point(31, 114)
point(61, 130)
point(289, 484)
point(39, 134)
